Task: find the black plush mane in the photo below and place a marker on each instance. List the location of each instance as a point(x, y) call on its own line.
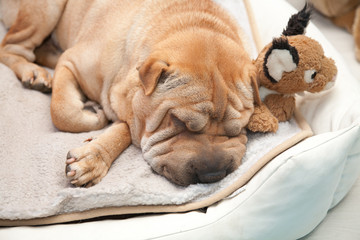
point(298, 22)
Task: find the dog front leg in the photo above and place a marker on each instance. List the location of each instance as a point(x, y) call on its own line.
point(87, 165)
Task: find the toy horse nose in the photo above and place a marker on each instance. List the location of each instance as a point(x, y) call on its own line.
point(330, 84)
point(211, 177)
point(334, 78)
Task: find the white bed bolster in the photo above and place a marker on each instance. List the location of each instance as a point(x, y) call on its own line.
point(290, 196)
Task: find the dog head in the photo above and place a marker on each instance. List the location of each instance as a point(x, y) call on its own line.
point(195, 101)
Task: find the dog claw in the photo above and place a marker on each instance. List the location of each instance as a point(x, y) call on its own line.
point(70, 160)
point(74, 182)
point(71, 173)
point(67, 169)
point(69, 155)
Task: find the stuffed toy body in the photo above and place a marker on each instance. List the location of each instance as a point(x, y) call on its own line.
point(344, 13)
point(291, 64)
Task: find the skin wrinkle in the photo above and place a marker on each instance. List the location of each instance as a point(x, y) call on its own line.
point(103, 149)
point(164, 154)
point(219, 97)
point(161, 142)
point(153, 123)
point(171, 106)
point(153, 139)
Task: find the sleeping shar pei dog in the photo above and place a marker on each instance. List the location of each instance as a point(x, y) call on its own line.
point(173, 77)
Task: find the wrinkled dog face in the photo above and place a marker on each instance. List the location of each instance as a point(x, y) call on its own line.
point(194, 127)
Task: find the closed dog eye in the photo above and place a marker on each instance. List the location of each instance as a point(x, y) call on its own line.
point(170, 81)
point(194, 121)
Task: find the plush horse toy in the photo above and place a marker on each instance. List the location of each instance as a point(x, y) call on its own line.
point(291, 64)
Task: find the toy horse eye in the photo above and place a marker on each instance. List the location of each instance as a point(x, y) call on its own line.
point(313, 75)
point(309, 75)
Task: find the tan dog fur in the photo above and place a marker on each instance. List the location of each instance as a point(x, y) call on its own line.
point(173, 76)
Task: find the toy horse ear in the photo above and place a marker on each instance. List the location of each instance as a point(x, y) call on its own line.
point(298, 22)
point(281, 57)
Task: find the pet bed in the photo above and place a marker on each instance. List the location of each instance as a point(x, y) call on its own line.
point(35, 191)
point(286, 199)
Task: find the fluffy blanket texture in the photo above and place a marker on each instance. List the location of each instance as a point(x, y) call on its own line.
point(32, 165)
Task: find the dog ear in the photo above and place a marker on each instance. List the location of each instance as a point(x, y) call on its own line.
point(255, 87)
point(150, 72)
point(298, 22)
point(281, 57)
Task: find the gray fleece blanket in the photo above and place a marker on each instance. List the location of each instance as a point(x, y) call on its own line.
point(33, 153)
point(32, 163)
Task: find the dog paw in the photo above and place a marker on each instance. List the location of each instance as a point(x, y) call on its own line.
point(37, 78)
point(85, 166)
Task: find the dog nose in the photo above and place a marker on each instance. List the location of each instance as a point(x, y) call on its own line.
point(209, 170)
point(211, 177)
point(212, 165)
